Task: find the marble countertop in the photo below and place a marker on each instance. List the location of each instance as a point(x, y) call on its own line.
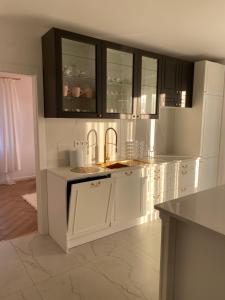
point(68, 175)
point(206, 208)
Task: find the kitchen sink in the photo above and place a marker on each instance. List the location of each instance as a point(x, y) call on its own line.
point(120, 164)
point(113, 165)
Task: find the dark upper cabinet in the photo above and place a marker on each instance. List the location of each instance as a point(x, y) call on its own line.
point(177, 82)
point(72, 75)
point(119, 84)
point(86, 77)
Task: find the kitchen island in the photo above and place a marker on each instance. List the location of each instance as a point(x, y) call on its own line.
point(193, 247)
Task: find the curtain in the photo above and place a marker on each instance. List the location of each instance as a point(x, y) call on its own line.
point(10, 160)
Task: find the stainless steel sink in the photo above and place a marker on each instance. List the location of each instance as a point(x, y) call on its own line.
point(120, 164)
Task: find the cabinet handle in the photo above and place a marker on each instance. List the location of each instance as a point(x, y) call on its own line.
point(95, 184)
point(128, 173)
point(100, 115)
point(184, 166)
point(138, 117)
point(183, 189)
point(133, 116)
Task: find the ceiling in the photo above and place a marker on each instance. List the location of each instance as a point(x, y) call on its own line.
point(193, 28)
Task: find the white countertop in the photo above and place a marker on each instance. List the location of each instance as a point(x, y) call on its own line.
point(68, 175)
point(205, 208)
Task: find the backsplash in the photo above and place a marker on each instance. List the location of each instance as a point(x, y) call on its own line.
point(63, 134)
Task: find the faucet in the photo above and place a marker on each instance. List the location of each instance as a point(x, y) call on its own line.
point(95, 144)
point(106, 156)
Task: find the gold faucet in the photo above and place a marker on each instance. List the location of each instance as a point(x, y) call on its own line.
point(106, 155)
point(96, 144)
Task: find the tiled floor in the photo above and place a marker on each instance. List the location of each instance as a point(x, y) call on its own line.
point(123, 266)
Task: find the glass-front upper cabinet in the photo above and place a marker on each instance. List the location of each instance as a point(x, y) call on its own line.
point(148, 85)
point(118, 81)
point(76, 83)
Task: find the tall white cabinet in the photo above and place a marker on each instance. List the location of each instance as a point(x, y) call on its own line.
point(197, 131)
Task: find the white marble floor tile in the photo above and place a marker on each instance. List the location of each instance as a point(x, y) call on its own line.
point(110, 280)
point(13, 276)
point(43, 258)
point(30, 293)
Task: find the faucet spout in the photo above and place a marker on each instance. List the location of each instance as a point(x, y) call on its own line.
point(106, 156)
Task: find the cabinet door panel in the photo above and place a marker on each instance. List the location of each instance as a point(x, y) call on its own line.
point(170, 77)
point(128, 204)
point(119, 81)
point(90, 202)
point(214, 80)
point(212, 111)
point(79, 77)
point(186, 84)
point(149, 81)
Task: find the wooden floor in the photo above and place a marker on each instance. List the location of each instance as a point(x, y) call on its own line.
point(17, 217)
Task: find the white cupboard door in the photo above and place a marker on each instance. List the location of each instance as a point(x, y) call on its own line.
point(214, 81)
point(211, 126)
point(128, 197)
point(89, 206)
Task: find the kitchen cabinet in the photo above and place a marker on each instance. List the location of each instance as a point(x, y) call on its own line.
point(89, 206)
point(131, 80)
point(214, 78)
point(85, 77)
point(148, 84)
point(211, 125)
point(71, 73)
point(127, 196)
point(119, 81)
point(177, 82)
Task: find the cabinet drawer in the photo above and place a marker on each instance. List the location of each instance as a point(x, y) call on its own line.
point(127, 173)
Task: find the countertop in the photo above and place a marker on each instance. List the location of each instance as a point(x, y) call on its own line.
point(68, 175)
point(206, 208)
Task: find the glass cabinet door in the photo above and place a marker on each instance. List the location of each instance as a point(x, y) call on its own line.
point(148, 97)
point(78, 76)
point(119, 82)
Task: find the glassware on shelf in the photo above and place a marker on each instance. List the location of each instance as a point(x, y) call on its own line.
point(79, 76)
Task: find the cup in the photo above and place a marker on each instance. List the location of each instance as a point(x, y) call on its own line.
point(88, 92)
point(65, 90)
point(76, 91)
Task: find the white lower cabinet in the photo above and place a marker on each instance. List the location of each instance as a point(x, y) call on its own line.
point(127, 196)
point(89, 207)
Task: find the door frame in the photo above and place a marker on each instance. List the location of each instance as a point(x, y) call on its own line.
point(39, 138)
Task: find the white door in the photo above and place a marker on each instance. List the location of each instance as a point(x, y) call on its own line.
point(128, 197)
point(211, 126)
point(214, 79)
point(89, 208)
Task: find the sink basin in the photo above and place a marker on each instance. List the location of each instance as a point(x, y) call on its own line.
point(87, 170)
point(113, 165)
point(120, 164)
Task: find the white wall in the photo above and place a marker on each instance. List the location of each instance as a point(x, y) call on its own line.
point(20, 53)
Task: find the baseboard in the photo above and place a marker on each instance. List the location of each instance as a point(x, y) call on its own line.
point(24, 178)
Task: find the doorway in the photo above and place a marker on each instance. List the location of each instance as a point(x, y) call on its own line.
point(18, 199)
